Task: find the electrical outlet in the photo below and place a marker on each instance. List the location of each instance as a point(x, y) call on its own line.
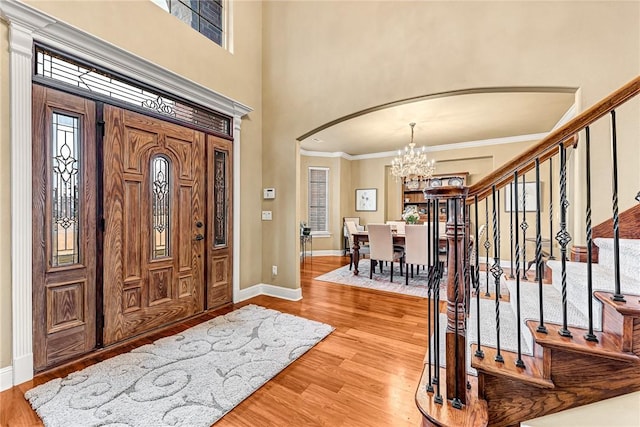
point(266, 215)
point(274, 270)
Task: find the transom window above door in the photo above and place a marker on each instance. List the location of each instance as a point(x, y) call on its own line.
point(55, 69)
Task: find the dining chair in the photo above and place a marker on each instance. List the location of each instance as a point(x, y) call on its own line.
point(381, 248)
point(345, 235)
point(364, 250)
point(415, 248)
point(397, 225)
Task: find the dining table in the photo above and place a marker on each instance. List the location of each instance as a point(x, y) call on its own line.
point(398, 239)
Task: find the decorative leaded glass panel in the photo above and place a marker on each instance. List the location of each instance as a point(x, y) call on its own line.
point(220, 202)
point(65, 232)
point(161, 212)
point(55, 67)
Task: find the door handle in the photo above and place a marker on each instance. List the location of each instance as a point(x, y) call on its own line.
point(199, 237)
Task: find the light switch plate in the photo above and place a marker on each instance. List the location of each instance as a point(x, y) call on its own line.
point(266, 215)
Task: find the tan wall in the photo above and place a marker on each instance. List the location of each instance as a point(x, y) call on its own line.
point(324, 60)
point(146, 30)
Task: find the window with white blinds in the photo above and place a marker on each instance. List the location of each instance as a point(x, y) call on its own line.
point(319, 200)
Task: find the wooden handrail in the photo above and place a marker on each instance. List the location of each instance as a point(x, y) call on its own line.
point(543, 149)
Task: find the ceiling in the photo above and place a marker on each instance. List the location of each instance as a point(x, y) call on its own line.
point(441, 120)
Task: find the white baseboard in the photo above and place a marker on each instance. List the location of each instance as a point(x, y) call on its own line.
point(6, 378)
point(22, 368)
point(329, 252)
point(269, 290)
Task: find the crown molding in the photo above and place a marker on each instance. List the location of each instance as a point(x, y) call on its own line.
point(434, 148)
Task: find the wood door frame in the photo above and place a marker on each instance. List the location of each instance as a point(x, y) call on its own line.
point(26, 25)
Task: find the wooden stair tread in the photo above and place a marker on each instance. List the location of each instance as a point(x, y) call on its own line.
point(608, 344)
point(531, 373)
point(629, 308)
point(473, 414)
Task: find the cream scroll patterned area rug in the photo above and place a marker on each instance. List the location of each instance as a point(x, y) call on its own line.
point(189, 379)
point(417, 285)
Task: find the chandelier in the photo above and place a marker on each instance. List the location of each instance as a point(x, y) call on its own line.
point(412, 165)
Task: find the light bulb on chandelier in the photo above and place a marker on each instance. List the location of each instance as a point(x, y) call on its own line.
point(412, 165)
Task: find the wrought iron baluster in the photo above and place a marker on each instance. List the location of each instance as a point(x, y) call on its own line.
point(456, 402)
point(437, 274)
point(496, 270)
point(539, 267)
point(510, 188)
point(487, 245)
point(589, 336)
point(498, 289)
point(519, 362)
point(429, 293)
point(476, 276)
point(551, 208)
point(563, 237)
point(524, 227)
point(617, 296)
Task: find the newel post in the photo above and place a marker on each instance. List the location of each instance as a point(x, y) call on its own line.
point(456, 333)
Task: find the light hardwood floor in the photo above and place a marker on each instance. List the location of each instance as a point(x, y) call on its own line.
point(365, 373)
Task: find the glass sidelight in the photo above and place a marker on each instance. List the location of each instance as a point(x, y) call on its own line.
point(220, 202)
point(65, 233)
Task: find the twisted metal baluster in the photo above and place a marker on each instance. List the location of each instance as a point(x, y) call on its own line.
point(476, 274)
point(519, 362)
point(496, 270)
point(539, 267)
point(589, 336)
point(563, 237)
point(487, 245)
point(523, 227)
point(617, 296)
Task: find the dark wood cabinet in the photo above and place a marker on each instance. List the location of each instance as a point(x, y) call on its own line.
point(415, 197)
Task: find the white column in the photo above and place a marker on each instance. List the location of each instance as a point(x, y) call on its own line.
point(21, 44)
point(237, 121)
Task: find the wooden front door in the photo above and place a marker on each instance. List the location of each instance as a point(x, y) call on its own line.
point(64, 234)
point(154, 218)
point(219, 238)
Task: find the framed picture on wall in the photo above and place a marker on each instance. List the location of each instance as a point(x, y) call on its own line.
point(526, 197)
point(366, 199)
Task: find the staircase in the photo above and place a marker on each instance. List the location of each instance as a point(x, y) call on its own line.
point(559, 341)
point(556, 380)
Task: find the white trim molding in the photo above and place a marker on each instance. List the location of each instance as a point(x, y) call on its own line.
point(432, 148)
point(6, 378)
point(327, 252)
point(269, 290)
point(27, 25)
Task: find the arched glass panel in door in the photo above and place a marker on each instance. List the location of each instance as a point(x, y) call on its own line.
point(161, 207)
